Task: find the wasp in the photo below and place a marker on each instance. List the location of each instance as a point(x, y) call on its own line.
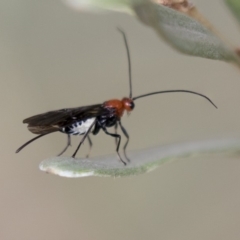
point(93, 118)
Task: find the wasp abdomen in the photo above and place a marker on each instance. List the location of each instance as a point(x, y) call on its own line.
point(79, 127)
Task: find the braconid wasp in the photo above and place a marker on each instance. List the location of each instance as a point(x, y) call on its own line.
point(93, 118)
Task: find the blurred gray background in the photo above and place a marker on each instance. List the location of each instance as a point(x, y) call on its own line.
point(54, 57)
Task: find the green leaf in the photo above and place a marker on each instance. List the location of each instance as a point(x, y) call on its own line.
point(179, 30)
point(184, 33)
point(93, 5)
point(234, 5)
point(142, 161)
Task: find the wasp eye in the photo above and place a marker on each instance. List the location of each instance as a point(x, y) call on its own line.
point(132, 105)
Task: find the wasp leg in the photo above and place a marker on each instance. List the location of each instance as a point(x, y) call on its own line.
point(68, 144)
point(116, 127)
point(90, 146)
point(119, 141)
point(127, 136)
point(83, 138)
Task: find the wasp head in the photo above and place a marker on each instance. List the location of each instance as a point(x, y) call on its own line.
point(128, 104)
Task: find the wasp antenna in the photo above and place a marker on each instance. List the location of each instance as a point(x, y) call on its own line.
point(129, 60)
point(174, 91)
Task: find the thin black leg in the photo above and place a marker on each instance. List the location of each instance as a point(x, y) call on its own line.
point(68, 144)
point(83, 138)
point(90, 146)
point(116, 127)
point(127, 136)
point(119, 141)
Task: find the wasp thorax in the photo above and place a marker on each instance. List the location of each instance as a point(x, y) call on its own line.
point(128, 104)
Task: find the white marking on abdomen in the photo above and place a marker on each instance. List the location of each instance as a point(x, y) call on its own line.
point(79, 127)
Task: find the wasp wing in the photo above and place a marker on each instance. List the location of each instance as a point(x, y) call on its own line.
point(55, 120)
